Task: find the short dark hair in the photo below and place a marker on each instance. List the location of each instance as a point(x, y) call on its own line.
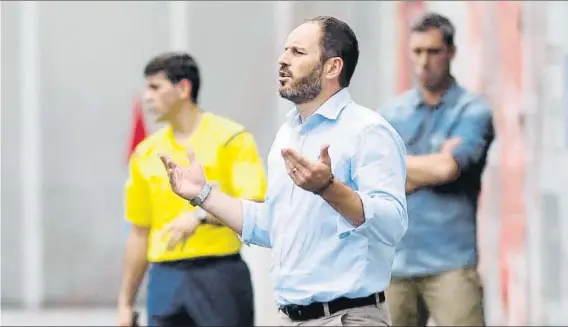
point(177, 66)
point(338, 40)
point(439, 22)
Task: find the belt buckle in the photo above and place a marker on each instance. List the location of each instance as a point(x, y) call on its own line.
point(293, 312)
point(298, 313)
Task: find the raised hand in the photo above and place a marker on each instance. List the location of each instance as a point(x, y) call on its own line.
point(186, 182)
point(313, 176)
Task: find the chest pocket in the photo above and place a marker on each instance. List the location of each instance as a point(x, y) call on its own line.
point(218, 171)
point(156, 176)
point(445, 124)
point(159, 189)
point(414, 127)
point(407, 123)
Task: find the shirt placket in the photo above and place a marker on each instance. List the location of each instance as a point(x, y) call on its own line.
point(426, 130)
point(297, 141)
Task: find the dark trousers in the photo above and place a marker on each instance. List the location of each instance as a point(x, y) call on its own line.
point(213, 291)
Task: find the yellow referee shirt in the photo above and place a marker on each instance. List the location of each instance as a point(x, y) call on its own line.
point(230, 160)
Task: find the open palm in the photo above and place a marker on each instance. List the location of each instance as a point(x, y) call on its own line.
point(186, 182)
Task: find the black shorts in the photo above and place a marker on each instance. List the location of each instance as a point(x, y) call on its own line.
point(215, 291)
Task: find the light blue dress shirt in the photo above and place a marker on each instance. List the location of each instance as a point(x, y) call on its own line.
point(317, 255)
point(442, 233)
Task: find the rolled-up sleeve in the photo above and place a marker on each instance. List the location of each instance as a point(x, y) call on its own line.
point(255, 224)
point(475, 130)
point(379, 173)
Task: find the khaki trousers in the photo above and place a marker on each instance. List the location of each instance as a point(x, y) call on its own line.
point(453, 298)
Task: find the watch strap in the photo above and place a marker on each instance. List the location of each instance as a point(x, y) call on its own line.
point(203, 194)
point(326, 186)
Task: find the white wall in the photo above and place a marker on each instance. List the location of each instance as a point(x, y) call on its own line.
point(91, 56)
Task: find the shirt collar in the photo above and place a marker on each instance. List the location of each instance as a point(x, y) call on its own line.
point(448, 99)
point(329, 109)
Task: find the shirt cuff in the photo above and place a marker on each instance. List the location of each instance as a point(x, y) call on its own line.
point(248, 211)
point(345, 227)
point(461, 156)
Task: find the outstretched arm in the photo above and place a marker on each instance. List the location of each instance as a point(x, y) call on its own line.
point(225, 208)
point(242, 216)
point(243, 173)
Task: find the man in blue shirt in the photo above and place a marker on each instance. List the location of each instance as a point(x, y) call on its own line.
point(335, 206)
point(447, 131)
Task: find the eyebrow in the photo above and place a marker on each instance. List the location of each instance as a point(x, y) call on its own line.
point(295, 47)
point(427, 48)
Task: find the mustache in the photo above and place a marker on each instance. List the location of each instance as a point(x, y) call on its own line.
point(284, 72)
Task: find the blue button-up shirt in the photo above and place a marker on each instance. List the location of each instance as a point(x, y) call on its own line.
point(317, 255)
point(441, 232)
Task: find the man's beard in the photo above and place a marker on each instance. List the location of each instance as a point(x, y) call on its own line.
point(305, 89)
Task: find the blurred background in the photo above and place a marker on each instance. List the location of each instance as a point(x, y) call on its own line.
point(71, 72)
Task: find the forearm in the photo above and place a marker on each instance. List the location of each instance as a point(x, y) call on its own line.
point(346, 202)
point(212, 220)
point(135, 265)
point(224, 209)
point(430, 169)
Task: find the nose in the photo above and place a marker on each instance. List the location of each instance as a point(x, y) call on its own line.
point(423, 59)
point(284, 59)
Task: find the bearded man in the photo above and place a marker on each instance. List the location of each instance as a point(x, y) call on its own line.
point(335, 206)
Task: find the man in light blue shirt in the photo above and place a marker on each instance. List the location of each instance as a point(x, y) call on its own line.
point(447, 131)
point(335, 206)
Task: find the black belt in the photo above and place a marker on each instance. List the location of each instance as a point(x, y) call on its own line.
point(317, 310)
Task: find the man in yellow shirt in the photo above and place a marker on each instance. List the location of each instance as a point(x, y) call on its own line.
point(196, 276)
